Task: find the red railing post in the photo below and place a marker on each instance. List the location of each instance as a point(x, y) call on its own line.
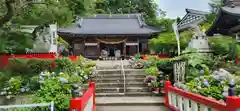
point(166, 86)
point(236, 59)
point(232, 103)
point(92, 85)
point(76, 104)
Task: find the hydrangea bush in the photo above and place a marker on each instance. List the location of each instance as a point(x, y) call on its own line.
point(212, 85)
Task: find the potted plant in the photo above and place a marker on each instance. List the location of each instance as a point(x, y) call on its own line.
point(155, 87)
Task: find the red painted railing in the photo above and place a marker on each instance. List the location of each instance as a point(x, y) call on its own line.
point(180, 100)
point(86, 102)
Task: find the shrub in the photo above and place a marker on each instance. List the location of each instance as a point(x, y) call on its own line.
point(26, 67)
point(53, 90)
point(151, 71)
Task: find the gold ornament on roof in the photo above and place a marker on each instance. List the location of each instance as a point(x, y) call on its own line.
point(111, 41)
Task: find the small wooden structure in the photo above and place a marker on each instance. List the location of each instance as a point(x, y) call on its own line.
point(114, 33)
point(179, 70)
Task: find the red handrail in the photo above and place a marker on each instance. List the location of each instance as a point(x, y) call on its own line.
point(79, 103)
point(232, 102)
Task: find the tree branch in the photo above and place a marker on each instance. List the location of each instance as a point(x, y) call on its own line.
point(11, 10)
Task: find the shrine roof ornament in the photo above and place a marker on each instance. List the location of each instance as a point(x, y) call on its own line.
point(192, 17)
point(228, 19)
point(109, 24)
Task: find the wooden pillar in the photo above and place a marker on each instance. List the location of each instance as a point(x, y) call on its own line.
point(84, 41)
point(124, 49)
point(137, 45)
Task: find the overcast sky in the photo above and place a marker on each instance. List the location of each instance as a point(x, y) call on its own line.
point(176, 8)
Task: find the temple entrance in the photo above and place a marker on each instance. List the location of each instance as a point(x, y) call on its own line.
point(111, 50)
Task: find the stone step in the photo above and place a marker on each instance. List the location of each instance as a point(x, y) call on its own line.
point(118, 75)
point(138, 100)
point(140, 107)
point(117, 80)
point(128, 94)
point(129, 84)
point(113, 67)
point(121, 89)
point(118, 71)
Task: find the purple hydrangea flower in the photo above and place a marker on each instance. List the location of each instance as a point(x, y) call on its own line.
point(22, 90)
point(149, 79)
point(63, 80)
point(201, 72)
point(205, 82)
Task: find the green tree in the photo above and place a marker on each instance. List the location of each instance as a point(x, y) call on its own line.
point(48, 13)
point(148, 8)
point(215, 5)
point(80, 7)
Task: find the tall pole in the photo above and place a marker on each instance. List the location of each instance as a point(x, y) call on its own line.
point(175, 29)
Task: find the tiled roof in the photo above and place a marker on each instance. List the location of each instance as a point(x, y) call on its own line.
point(102, 24)
point(192, 16)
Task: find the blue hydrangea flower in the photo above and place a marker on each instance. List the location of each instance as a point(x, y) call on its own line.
point(22, 90)
point(86, 77)
point(205, 82)
point(201, 72)
point(63, 80)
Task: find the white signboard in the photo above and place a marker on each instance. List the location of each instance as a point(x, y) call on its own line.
point(91, 44)
point(131, 44)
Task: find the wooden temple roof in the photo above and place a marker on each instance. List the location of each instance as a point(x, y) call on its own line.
point(192, 17)
point(228, 19)
point(109, 24)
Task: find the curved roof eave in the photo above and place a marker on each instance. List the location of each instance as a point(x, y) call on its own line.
point(223, 10)
point(232, 11)
point(214, 24)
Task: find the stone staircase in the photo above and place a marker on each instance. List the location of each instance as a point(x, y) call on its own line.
point(110, 89)
point(111, 83)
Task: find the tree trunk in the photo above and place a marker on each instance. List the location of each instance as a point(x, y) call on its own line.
point(10, 12)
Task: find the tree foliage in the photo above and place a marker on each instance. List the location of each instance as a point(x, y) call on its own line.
point(167, 42)
point(148, 8)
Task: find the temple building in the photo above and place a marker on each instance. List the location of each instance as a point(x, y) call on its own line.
point(228, 19)
point(109, 35)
